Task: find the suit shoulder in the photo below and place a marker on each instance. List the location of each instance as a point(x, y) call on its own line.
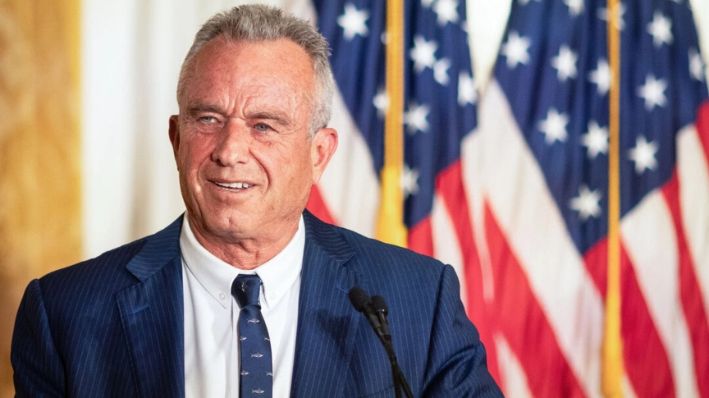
point(95, 271)
point(374, 256)
point(108, 268)
point(364, 244)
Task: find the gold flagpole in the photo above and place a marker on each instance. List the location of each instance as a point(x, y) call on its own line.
point(390, 221)
point(612, 372)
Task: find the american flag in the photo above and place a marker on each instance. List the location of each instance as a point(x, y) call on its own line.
point(512, 188)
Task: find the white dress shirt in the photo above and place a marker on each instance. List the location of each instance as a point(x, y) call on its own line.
point(211, 315)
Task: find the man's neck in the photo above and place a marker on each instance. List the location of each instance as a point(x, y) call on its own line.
point(244, 253)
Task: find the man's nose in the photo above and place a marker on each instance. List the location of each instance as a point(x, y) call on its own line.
point(232, 147)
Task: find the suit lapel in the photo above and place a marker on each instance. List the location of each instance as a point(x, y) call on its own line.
point(326, 320)
point(152, 315)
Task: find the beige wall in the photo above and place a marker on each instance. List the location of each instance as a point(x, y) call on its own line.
point(40, 212)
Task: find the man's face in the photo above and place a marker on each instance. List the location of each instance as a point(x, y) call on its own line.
point(242, 141)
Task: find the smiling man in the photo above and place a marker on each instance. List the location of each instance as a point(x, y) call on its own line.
point(246, 294)
point(246, 145)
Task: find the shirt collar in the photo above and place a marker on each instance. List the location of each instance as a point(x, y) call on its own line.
point(216, 276)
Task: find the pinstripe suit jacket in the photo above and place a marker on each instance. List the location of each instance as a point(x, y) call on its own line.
point(113, 326)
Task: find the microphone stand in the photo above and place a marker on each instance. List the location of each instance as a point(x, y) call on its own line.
point(375, 310)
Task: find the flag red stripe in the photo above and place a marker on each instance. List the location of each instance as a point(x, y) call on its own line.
point(420, 237)
point(690, 292)
point(317, 206)
point(703, 128)
point(522, 320)
point(646, 361)
point(595, 261)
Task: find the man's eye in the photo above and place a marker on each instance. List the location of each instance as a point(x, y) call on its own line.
point(207, 120)
point(262, 127)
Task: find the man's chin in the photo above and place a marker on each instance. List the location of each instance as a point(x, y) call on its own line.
point(230, 228)
point(220, 225)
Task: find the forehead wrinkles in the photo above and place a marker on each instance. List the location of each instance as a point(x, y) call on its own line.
point(266, 101)
point(279, 69)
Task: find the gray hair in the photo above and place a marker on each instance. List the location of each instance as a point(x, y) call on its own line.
point(259, 22)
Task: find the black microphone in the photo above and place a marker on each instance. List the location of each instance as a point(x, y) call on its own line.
point(380, 308)
point(358, 298)
point(376, 312)
point(361, 302)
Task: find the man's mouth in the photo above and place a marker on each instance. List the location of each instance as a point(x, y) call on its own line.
point(232, 185)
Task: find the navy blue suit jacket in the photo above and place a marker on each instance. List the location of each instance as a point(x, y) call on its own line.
point(113, 326)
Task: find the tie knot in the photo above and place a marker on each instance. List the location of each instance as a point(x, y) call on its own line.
point(246, 290)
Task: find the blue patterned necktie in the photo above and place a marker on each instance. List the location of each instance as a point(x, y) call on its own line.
point(255, 376)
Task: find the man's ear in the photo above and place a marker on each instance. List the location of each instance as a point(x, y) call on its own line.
point(174, 132)
point(323, 146)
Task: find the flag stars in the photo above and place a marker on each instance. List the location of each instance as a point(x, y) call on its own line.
point(381, 102)
point(416, 118)
point(601, 77)
point(516, 50)
point(587, 203)
point(575, 7)
point(554, 126)
point(620, 23)
point(409, 181)
point(446, 11)
point(595, 139)
point(353, 21)
point(565, 63)
point(384, 38)
point(643, 155)
point(440, 71)
point(466, 89)
point(660, 29)
point(423, 53)
point(653, 92)
point(696, 65)
point(464, 26)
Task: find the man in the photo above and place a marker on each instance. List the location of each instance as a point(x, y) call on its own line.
point(169, 314)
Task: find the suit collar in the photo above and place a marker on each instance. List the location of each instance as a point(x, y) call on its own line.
point(157, 251)
point(326, 239)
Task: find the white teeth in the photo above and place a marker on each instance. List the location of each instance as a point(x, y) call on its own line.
point(233, 185)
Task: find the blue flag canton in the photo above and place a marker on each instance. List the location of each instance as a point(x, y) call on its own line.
point(439, 97)
point(355, 30)
point(554, 69)
point(662, 87)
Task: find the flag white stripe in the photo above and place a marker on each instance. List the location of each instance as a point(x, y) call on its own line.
point(513, 376)
point(657, 270)
point(694, 200)
point(353, 200)
point(472, 161)
point(627, 387)
point(445, 243)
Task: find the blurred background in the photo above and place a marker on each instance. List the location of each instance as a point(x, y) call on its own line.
point(505, 170)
